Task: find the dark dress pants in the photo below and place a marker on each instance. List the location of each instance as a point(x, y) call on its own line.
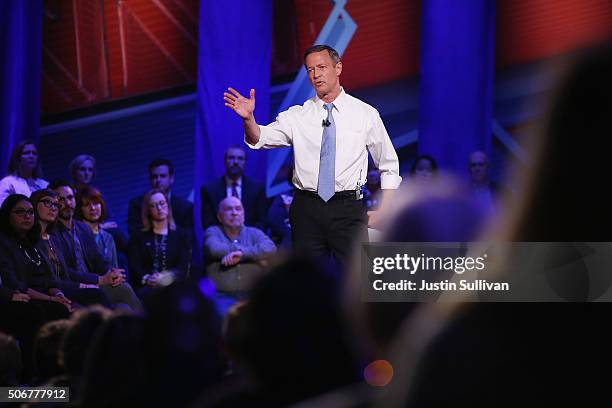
point(88, 296)
point(323, 229)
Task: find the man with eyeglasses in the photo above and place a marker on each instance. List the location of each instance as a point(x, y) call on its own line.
point(83, 255)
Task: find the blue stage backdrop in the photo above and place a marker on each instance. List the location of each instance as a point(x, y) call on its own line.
point(20, 53)
point(235, 42)
point(456, 88)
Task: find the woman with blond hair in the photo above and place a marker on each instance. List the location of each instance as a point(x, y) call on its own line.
point(83, 170)
point(158, 254)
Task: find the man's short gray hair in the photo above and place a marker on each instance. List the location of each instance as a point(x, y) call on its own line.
point(322, 47)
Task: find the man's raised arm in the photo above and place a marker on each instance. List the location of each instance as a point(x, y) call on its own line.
point(244, 108)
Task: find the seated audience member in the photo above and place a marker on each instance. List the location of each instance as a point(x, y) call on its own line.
point(173, 352)
point(25, 172)
point(278, 218)
point(443, 212)
point(81, 252)
point(91, 209)
point(77, 342)
point(424, 169)
point(160, 253)
point(10, 361)
point(183, 335)
point(294, 341)
point(486, 193)
point(21, 318)
point(278, 215)
point(22, 267)
point(29, 292)
point(117, 360)
point(235, 254)
point(555, 203)
point(47, 350)
point(161, 177)
point(83, 170)
point(73, 284)
point(235, 184)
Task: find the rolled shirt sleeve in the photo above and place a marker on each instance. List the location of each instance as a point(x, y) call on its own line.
point(383, 153)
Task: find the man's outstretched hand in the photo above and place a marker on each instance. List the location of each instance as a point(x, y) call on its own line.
point(242, 106)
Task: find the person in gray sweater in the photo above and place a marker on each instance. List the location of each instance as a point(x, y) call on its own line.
point(235, 254)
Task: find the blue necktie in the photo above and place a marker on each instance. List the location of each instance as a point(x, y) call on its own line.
point(327, 164)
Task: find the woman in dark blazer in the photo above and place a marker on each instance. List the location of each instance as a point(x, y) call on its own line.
point(22, 267)
point(72, 283)
point(29, 293)
point(160, 253)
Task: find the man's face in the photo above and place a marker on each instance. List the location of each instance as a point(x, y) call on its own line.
point(322, 72)
point(231, 213)
point(67, 203)
point(161, 178)
point(234, 162)
point(479, 167)
point(47, 209)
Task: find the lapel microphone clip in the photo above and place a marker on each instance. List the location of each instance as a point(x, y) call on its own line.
point(325, 123)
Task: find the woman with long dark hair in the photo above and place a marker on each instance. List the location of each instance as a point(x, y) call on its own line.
point(23, 267)
point(24, 171)
point(29, 293)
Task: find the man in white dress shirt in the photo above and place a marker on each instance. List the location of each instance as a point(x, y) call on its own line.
point(331, 135)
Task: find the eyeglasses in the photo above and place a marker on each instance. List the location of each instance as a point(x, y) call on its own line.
point(24, 213)
point(159, 205)
point(49, 204)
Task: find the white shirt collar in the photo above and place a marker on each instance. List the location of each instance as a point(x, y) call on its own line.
point(338, 102)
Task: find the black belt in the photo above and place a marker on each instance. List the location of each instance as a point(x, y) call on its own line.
point(338, 195)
